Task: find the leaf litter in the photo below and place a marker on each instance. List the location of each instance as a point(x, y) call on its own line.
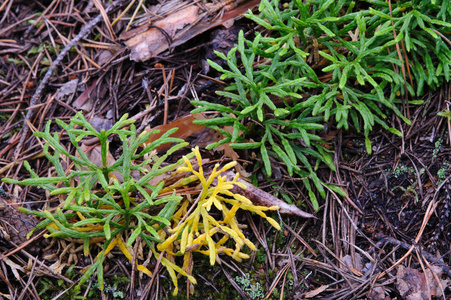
point(348, 261)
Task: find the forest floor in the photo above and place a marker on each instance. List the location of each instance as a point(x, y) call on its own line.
point(389, 239)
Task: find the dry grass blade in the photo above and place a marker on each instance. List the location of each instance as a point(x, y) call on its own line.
point(299, 238)
point(105, 19)
point(279, 275)
point(123, 13)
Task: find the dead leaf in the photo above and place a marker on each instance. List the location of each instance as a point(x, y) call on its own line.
point(100, 123)
point(69, 88)
point(205, 137)
point(58, 267)
point(14, 267)
point(208, 136)
point(230, 152)
point(185, 129)
point(104, 57)
point(354, 266)
point(436, 288)
point(377, 293)
point(316, 291)
point(331, 135)
point(87, 93)
point(412, 284)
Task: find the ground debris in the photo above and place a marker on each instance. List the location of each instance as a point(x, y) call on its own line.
point(171, 42)
point(16, 225)
point(414, 285)
point(185, 21)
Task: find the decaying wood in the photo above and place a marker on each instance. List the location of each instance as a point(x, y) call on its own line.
point(180, 25)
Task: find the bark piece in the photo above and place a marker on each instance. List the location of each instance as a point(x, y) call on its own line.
point(16, 225)
point(180, 25)
point(156, 39)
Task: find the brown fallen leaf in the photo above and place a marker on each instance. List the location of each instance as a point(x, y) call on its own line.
point(349, 264)
point(185, 129)
point(414, 285)
point(67, 89)
point(231, 153)
point(204, 137)
point(316, 291)
point(85, 101)
point(376, 293)
point(208, 136)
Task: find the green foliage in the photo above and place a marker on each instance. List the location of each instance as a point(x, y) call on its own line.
point(289, 132)
point(115, 286)
point(355, 45)
point(96, 204)
point(49, 288)
point(111, 202)
point(443, 171)
point(446, 114)
point(45, 45)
